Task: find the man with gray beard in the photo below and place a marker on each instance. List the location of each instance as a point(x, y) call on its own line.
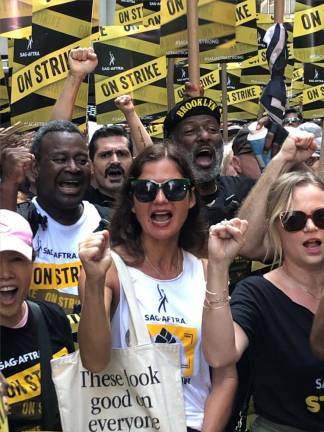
point(194, 125)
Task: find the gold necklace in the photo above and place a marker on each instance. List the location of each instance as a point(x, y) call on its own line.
point(309, 293)
point(303, 288)
point(178, 268)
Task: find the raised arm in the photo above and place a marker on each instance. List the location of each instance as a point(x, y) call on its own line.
point(223, 341)
point(294, 150)
point(317, 333)
point(96, 292)
point(140, 136)
point(82, 61)
point(15, 163)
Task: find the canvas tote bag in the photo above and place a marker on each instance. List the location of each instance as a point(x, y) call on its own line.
point(141, 389)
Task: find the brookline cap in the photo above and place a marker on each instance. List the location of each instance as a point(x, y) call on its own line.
point(200, 105)
point(15, 234)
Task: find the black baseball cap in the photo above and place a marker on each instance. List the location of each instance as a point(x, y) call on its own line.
point(200, 105)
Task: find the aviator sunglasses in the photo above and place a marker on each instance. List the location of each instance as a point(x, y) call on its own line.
point(296, 220)
point(146, 190)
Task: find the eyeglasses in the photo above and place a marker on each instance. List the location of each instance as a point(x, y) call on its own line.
point(296, 220)
point(290, 120)
point(146, 190)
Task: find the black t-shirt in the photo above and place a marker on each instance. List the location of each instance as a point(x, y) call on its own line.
point(19, 363)
point(288, 380)
point(225, 202)
point(94, 196)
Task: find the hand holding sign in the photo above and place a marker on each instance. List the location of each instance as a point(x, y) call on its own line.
point(95, 255)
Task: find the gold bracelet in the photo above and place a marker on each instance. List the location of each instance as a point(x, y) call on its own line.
point(216, 307)
point(223, 299)
point(218, 301)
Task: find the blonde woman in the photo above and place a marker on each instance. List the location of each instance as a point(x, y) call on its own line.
point(272, 315)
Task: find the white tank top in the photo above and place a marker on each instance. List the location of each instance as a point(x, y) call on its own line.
point(172, 310)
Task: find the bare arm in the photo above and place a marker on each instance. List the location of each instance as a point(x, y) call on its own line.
point(140, 136)
point(294, 150)
point(15, 162)
point(82, 61)
point(223, 340)
point(218, 406)
point(317, 333)
point(94, 329)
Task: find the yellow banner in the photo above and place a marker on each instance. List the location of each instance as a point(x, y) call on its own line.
point(26, 384)
point(245, 11)
point(39, 5)
point(313, 94)
point(51, 276)
point(298, 74)
point(208, 80)
point(243, 95)
point(309, 21)
point(62, 23)
point(44, 71)
point(129, 15)
point(130, 80)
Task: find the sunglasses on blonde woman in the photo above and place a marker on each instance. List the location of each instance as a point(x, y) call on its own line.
point(296, 220)
point(146, 190)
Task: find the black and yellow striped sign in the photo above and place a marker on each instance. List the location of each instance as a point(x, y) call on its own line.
point(130, 62)
point(215, 28)
point(209, 79)
point(15, 18)
point(95, 21)
point(41, 61)
point(152, 13)
point(128, 14)
point(296, 86)
point(313, 93)
point(309, 31)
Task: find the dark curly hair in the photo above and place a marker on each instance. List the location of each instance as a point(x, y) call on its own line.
point(126, 231)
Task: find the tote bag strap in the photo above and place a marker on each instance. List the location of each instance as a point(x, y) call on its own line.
point(139, 334)
point(48, 394)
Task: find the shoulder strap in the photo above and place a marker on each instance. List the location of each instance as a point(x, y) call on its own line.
point(28, 211)
point(48, 394)
point(104, 212)
point(139, 334)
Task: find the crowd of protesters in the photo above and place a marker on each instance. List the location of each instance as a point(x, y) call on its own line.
point(178, 213)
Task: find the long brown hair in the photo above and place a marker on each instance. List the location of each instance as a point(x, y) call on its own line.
point(125, 228)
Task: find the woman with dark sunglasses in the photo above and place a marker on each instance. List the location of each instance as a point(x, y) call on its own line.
point(158, 231)
point(271, 316)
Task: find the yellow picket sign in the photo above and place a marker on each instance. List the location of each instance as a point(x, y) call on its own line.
point(39, 5)
point(46, 70)
point(60, 22)
point(129, 15)
point(243, 94)
point(130, 80)
point(313, 94)
point(309, 21)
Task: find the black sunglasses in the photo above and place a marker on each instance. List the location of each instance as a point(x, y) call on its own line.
point(296, 220)
point(146, 190)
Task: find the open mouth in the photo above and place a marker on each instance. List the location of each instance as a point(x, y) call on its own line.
point(204, 157)
point(312, 243)
point(115, 174)
point(69, 186)
point(161, 217)
point(8, 294)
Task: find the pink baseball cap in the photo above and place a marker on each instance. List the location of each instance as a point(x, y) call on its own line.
point(15, 234)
